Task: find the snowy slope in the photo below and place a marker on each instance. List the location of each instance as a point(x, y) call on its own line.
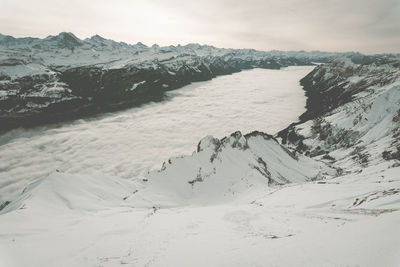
point(360, 125)
point(75, 221)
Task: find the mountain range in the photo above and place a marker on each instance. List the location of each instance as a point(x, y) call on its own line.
point(62, 77)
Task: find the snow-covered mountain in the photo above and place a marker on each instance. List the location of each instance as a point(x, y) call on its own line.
point(352, 116)
point(225, 170)
point(62, 77)
point(328, 195)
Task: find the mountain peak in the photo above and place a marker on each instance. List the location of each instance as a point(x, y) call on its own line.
point(97, 38)
point(141, 45)
point(67, 35)
point(65, 40)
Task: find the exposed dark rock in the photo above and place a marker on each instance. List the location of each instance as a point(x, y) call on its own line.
point(4, 204)
point(389, 155)
point(328, 157)
point(258, 133)
point(199, 178)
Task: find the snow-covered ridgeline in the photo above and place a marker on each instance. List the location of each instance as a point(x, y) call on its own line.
point(227, 169)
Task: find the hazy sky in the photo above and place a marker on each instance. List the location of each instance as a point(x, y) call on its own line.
point(368, 26)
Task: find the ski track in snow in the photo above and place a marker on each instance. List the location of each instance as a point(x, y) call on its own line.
point(131, 142)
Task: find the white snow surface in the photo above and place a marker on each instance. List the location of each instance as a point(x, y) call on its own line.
point(73, 220)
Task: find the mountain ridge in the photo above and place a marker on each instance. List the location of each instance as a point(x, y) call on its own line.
point(188, 45)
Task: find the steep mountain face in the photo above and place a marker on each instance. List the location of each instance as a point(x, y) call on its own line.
point(62, 77)
point(352, 116)
point(332, 85)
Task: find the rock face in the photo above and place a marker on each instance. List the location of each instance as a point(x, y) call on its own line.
point(352, 113)
point(62, 77)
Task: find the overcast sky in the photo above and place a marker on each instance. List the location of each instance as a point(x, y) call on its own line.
point(368, 26)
